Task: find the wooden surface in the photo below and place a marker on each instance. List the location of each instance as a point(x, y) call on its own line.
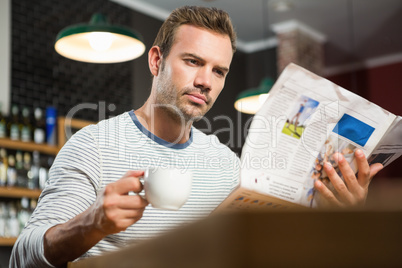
point(62, 124)
point(28, 146)
point(7, 241)
point(17, 192)
point(270, 239)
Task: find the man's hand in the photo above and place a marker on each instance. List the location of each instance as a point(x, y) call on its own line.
point(352, 191)
point(114, 209)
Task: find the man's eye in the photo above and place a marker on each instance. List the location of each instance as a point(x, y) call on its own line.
point(220, 73)
point(192, 61)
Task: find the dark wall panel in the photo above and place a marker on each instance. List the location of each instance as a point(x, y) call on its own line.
point(41, 77)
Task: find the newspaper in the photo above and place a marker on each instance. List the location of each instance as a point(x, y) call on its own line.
point(304, 121)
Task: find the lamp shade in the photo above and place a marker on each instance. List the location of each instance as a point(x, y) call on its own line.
point(250, 101)
point(99, 42)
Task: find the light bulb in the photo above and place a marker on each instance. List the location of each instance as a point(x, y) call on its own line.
point(100, 41)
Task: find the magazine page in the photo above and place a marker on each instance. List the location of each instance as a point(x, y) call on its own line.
point(390, 147)
point(304, 121)
point(242, 198)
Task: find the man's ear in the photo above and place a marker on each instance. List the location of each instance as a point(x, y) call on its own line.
point(154, 60)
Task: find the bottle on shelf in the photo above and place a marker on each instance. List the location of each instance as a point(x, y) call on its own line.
point(3, 167)
point(39, 126)
point(14, 124)
point(11, 171)
point(3, 218)
point(26, 129)
point(51, 122)
point(34, 174)
point(12, 225)
point(14, 215)
point(23, 213)
point(22, 180)
point(3, 124)
point(45, 163)
point(27, 167)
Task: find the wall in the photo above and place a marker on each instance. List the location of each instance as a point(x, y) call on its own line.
point(260, 64)
point(381, 85)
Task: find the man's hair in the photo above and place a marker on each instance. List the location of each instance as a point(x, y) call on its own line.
point(208, 18)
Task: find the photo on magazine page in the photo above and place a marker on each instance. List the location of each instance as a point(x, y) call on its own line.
point(296, 122)
point(348, 135)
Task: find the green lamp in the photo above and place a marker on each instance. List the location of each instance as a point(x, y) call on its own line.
point(99, 42)
point(250, 101)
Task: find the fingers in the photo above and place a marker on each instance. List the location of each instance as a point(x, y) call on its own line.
point(114, 209)
point(124, 202)
point(374, 169)
point(132, 202)
point(347, 173)
point(328, 196)
point(117, 220)
point(341, 189)
point(125, 207)
point(121, 211)
point(364, 177)
point(128, 183)
point(134, 173)
point(350, 190)
point(116, 194)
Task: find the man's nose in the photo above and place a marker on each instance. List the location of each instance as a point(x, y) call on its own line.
point(203, 79)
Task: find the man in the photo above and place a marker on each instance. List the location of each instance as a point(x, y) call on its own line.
point(295, 118)
point(86, 208)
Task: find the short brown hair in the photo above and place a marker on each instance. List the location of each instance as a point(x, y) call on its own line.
point(209, 18)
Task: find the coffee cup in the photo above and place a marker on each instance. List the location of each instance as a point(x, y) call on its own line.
point(167, 188)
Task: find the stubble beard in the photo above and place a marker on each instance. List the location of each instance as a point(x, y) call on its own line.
point(173, 101)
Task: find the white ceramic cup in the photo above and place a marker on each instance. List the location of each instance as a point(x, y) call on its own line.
point(167, 188)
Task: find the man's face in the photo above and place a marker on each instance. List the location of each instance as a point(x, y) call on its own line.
point(193, 74)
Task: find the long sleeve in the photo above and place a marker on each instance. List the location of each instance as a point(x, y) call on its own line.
point(28, 250)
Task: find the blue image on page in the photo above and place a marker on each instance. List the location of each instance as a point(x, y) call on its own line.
point(353, 129)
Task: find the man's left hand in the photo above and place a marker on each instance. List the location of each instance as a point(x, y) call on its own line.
point(352, 191)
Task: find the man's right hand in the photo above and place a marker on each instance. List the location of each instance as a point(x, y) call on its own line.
point(114, 209)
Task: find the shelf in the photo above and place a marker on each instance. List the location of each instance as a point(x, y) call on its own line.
point(28, 146)
point(17, 192)
point(7, 241)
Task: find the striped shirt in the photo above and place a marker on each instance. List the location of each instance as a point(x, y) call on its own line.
point(100, 154)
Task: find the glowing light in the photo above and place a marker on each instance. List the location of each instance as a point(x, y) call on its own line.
point(100, 41)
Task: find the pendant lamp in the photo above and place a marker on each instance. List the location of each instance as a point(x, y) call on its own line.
point(99, 42)
point(250, 101)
